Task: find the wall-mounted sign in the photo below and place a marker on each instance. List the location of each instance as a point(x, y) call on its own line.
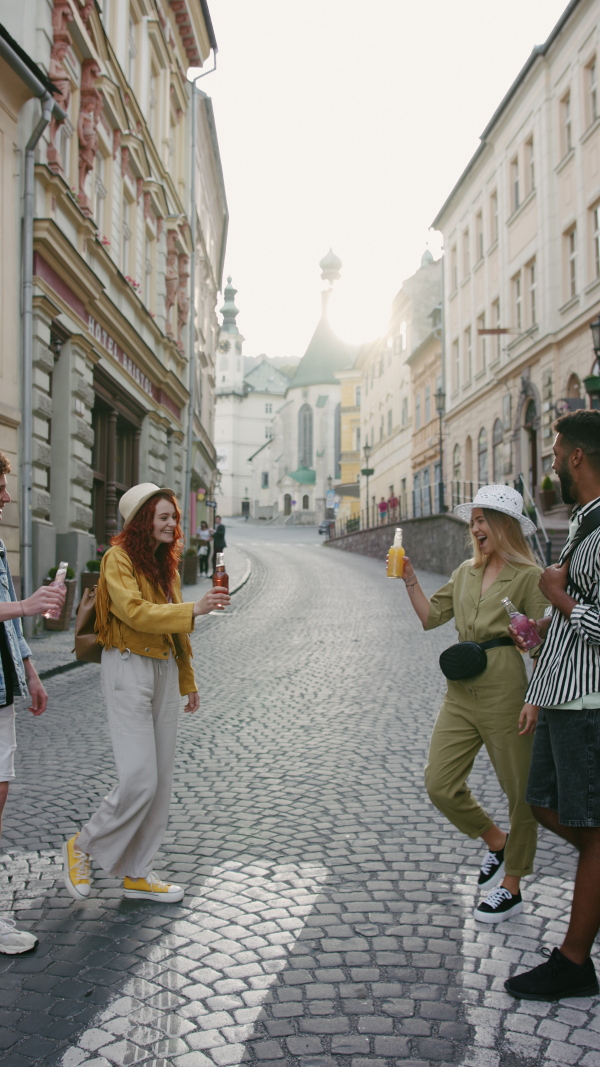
point(100, 334)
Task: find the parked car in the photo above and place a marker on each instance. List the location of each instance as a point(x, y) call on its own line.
point(325, 527)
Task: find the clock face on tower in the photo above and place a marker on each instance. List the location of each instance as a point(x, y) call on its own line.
point(238, 346)
point(224, 346)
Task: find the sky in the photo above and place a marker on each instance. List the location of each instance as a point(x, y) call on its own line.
point(346, 124)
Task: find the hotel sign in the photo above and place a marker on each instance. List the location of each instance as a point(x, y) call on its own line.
point(100, 334)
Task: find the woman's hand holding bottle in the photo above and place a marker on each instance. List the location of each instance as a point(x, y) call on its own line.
point(215, 600)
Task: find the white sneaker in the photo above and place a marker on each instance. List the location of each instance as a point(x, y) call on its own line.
point(13, 941)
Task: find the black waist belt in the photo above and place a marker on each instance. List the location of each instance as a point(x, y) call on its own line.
point(496, 642)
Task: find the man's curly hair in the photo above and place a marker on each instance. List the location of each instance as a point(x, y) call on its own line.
point(5, 467)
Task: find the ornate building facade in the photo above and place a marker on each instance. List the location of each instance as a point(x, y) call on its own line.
point(522, 258)
point(113, 239)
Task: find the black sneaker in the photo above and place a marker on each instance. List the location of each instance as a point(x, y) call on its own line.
point(499, 905)
point(492, 869)
point(558, 977)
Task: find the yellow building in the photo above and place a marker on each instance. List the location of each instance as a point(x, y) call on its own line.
point(348, 486)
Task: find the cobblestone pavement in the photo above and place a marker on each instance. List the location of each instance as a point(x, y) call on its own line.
point(328, 914)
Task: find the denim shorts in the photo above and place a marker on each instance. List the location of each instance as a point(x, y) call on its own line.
point(565, 766)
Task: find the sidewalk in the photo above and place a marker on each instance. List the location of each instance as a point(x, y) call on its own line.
point(52, 650)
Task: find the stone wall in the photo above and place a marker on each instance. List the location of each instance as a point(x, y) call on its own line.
point(436, 543)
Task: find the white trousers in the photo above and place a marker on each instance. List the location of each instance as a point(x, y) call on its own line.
point(142, 704)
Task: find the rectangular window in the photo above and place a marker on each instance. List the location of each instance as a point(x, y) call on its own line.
point(496, 324)
point(100, 193)
point(571, 250)
point(264, 480)
point(456, 364)
point(404, 410)
point(517, 301)
point(268, 432)
point(389, 430)
point(530, 165)
point(466, 254)
point(357, 439)
point(494, 217)
point(596, 239)
point(592, 73)
point(567, 130)
point(481, 340)
point(418, 411)
point(381, 429)
point(132, 51)
point(453, 269)
point(532, 287)
point(148, 267)
point(479, 237)
point(514, 183)
point(268, 409)
point(468, 351)
point(125, 236)
point(427, 404)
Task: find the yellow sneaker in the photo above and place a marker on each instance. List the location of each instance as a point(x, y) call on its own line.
point(76, 870)
point(152, 888)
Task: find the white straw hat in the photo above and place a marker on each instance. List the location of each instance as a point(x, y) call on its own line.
point(498, 498)
point(131, 501)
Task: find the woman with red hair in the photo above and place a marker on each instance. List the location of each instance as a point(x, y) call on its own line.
point(143, 628)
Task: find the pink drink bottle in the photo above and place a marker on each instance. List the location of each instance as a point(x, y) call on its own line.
point(61, 574)
point(521, 624)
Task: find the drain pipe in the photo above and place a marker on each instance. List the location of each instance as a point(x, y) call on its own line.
point(187, 503)
point(49, 107)
point(47, 102)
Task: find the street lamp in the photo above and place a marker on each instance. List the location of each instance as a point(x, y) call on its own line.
point(592, 382)
point(367, 471)
point(440, 406)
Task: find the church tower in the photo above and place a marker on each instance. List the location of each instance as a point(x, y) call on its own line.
point(230, 359)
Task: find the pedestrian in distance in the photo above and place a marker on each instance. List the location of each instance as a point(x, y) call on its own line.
point(486, 709)
point(564, 782)
point(203, 535)
point(218, 536)
point(392, 507)
point(143, 628)
point(17, 676)
point(383, 509)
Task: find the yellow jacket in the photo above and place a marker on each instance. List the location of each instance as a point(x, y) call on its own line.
point(132, 613)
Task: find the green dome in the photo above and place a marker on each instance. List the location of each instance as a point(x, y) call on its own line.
point(325, 356)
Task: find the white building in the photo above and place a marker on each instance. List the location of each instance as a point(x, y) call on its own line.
point(295, 470)
point(245, 407)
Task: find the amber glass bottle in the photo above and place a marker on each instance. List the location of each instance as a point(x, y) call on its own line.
point(220, 577)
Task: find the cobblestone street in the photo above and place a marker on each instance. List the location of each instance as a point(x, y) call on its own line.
point(328, 915)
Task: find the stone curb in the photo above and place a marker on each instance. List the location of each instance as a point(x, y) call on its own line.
point(62, 668)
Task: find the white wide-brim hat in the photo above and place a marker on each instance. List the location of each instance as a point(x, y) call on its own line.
point(498, 498)
point(131, 501)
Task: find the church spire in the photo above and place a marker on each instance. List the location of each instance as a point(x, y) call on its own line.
point(330, 271)
point(229, 310)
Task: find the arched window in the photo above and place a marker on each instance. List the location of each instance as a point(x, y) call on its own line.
point(482, 457)
point(456, 464)
point(469, 459)
point(573, 387)
point(337, 440)
point(305, 504)
point(287, 504)
point(498, 452)
point(305, 436)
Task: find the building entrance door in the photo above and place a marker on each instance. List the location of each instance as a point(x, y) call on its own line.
point(287, 504)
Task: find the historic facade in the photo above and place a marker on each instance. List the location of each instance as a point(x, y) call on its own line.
point(522, 258)
point(244, 412)
point(396, 397)
point(112, 245)
point(302, 461)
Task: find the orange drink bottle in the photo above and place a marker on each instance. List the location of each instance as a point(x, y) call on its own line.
point(396, 555)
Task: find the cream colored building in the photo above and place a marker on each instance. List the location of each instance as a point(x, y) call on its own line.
point(112, 245)
point(521, 235)
point(391, 410)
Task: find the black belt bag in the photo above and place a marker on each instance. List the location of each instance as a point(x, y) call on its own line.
point(468, 658)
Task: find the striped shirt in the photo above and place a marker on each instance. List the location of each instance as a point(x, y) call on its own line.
point(569, 663)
